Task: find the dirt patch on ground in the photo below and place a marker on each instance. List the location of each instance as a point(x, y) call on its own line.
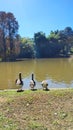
point(3, 99)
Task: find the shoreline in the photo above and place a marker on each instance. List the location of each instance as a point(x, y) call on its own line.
point(37, 89)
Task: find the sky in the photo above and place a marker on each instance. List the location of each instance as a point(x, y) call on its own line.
point(40, 15)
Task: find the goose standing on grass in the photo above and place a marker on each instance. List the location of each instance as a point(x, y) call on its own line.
point(45, 85)
point(19, 82)
point(32, 82)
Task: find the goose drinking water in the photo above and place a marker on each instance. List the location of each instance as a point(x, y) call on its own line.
point(45, 85)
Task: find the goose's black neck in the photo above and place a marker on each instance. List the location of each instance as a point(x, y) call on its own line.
point(20, 77)
point(32, 76)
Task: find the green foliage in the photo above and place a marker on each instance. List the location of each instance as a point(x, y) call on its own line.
point(57, 44)
point(27, 48)
point(54, 35)
point(40, 44)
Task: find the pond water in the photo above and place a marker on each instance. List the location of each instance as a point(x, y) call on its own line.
point(58, 72)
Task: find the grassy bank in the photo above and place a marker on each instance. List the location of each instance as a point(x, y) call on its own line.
point(36, 110)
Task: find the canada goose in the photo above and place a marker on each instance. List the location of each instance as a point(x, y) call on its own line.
point(44, 85)
point(32, 82)
point(19, 82)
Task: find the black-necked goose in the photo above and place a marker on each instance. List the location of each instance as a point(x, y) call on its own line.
point(19, 82)
point(32, 82)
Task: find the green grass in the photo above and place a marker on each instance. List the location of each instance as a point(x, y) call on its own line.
point(36, 110)
point(6, 123)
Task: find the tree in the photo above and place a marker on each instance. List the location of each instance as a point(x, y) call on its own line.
point(40, 44)
point(8, 32)
point(12, 29)
point(66, 37)
point(62, 41)
point(3, 32)
point(27, 48)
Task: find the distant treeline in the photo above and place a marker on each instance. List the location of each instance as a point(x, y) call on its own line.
point(58, 43)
